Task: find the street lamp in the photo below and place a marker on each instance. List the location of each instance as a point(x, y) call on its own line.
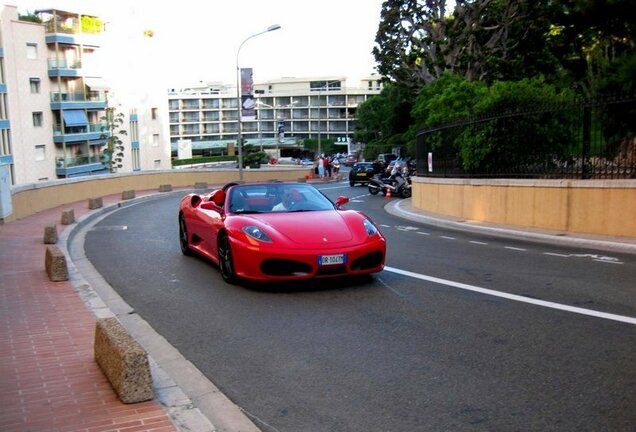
point(238, 95)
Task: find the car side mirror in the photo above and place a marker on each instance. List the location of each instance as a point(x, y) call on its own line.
point(342, 200)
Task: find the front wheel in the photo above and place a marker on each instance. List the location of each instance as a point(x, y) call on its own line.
point(406, 193)
point(183, 237)
point(373, 190)
point(352, 183)
point(226, 265)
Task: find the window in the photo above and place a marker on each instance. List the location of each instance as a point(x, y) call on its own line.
point(37, 119)
point(155, 140)
point(154, 113)
point(35, 85)
point(32, 51)
point(157, 163)
point(40, 152)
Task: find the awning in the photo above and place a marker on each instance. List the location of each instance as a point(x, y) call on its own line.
point(96, 84)
point(75, 117)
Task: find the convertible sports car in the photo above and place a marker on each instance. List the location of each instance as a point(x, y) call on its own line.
point(278, 232)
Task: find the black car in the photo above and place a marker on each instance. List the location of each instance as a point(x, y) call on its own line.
point(360, 172)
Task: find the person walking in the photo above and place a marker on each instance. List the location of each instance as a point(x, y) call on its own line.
point(321, 167)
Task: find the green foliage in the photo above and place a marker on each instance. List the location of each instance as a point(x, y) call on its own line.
point(253, 157)
point(202, 159)
point(111, 130)
point(480, 145)
point(383, 119)
point(30, 17)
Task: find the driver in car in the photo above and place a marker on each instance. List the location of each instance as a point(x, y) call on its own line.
point(288, 199)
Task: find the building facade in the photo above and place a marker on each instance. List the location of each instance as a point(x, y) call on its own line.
point(54, 95)
point(305, 108)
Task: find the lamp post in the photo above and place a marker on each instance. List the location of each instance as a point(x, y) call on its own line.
point(238, 95)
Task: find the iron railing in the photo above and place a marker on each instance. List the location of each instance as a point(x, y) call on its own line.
point(590, 139)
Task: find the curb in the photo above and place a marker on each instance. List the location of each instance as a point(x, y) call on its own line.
point(403, 209)
point(193, 403)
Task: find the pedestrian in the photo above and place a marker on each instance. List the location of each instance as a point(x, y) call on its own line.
point(321, 167)
point(327, 166)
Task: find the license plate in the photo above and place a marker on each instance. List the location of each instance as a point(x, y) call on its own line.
point(361, 174)
point(324, 260)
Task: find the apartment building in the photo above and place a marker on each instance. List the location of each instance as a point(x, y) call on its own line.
point(55, 90)
point(318, 108)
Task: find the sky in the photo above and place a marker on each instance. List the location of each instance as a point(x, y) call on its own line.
point(198, 40)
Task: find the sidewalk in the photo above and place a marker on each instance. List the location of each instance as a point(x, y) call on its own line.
point(48, 375)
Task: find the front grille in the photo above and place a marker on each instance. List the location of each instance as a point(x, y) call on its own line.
point(367, 261)
point(278, 267)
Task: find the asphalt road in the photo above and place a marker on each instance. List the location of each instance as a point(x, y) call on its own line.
point(462, 332)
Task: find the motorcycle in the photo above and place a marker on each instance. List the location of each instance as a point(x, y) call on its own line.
point(396, 184)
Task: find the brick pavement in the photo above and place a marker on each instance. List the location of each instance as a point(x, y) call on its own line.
point(48, 376)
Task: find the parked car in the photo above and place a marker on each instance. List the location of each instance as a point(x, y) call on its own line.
point(360, 172)
point(279, 232)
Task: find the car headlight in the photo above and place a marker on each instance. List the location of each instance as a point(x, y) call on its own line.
point(256, 233)
point(371, 229)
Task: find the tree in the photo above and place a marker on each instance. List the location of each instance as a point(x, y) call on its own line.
point(487, 40)
point(111, 130)
point(383, 118)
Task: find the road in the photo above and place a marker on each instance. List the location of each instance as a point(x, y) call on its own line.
point(461, 332)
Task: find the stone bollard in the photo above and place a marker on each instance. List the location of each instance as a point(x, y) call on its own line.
point(165, 188)
point(129, 194)
point(200, 185)
point(68, 217)
point(50, 234)
point(95, 203)
point(55, 264)
point(123, 361)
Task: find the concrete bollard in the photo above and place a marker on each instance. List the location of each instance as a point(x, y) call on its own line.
point(128, 194)
point(55, 264)
point(68, 217)
point(123, 361)
point(165, 188)
point(95, 203)
point(50, 234)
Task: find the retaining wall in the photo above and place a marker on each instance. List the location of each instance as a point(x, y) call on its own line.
point(604, 207)
point(35, 197)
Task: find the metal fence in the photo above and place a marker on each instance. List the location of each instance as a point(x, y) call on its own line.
point(590, 139)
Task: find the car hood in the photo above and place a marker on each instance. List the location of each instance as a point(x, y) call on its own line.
point(309, 229)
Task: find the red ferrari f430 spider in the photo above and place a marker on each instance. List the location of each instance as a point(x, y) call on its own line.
point(278, 232)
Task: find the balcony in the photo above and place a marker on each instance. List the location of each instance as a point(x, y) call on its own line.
point(79, 165)
point(88, 100)
point(94, 132)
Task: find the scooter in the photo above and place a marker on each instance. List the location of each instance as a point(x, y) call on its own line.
point(396, 185)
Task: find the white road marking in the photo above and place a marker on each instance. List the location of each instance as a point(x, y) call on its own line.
point(607, 262)
point(423, 233)
point(385, 226)
point(515, 248)
point(406, 228)
point(514, 297)
point(477, 242)
point(556, 254)
point(447, 237)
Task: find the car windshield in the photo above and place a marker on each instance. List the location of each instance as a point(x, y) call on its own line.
point(276, 197)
